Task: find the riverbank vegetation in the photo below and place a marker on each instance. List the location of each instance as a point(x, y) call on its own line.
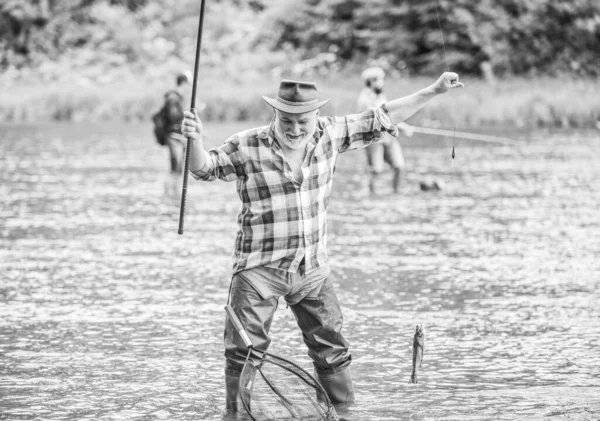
point(524, 63)
point(533, 102)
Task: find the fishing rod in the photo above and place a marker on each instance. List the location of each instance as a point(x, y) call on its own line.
point(465, 135)
point(186, 169)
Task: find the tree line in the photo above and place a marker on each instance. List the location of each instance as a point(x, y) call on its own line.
point(508, 37)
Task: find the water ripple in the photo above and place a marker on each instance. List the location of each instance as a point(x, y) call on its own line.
point(108, 314)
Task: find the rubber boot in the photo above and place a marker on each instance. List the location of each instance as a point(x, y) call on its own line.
point(233, 400)
point(373, 183)
point(397, 180)
point(338, 386)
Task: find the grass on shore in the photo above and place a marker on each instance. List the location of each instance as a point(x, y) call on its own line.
point(540, 102)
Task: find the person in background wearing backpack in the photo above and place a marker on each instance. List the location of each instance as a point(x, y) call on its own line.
point(172, 114)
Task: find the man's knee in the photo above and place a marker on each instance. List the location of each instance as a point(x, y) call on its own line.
point(234, 365)
point(320, 319)
point(255, 314)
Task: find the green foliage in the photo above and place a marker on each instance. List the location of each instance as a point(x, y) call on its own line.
point(100, 41)
point(520, 102)
point(514, 36)
point(105, 59)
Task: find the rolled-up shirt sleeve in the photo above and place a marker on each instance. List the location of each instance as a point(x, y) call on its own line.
point(355, 131)
point(225, 162)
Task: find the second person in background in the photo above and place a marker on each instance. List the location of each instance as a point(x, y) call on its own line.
point(173, 109)
point(387, 150)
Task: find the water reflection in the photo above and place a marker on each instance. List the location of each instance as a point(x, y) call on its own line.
point(108, 314)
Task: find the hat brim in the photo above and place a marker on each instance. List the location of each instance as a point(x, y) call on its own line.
point(294, 109)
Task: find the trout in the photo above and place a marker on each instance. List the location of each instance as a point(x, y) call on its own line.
point(418, 348)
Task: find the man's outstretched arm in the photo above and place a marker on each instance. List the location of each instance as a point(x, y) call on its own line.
point(402, 108)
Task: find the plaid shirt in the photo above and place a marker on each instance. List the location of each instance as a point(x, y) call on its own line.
point(282, 220)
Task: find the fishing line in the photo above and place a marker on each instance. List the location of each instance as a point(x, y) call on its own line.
point(447, 69)
point(442, 34)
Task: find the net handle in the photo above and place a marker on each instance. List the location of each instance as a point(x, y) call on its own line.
point(239, 328)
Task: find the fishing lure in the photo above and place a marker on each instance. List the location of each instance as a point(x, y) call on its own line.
point(453, 140)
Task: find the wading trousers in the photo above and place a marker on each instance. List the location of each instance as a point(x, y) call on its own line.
point(176, 143)
point(254, 297)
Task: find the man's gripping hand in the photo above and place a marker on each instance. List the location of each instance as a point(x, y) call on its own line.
point(191, 126)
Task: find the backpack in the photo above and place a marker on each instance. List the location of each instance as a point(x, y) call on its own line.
point(168, 118)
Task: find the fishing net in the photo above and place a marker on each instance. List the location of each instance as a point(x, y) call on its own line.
point(273, 388)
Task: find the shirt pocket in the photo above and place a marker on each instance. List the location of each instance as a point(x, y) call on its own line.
point(321, 169)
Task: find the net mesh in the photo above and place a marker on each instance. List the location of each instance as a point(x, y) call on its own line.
point(273, 388)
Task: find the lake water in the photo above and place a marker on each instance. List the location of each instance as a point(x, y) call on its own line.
point(106, 313)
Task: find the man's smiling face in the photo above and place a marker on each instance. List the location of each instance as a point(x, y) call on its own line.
point(295, 130)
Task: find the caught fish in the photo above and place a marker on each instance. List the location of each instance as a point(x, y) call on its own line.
point(418, 348)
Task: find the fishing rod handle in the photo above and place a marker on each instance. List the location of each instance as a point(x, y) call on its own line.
point(239, 328)
point(186, 170)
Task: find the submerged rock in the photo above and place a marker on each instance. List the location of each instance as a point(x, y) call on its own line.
point(432, 185)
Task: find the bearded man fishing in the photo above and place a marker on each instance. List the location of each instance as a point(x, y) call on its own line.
point(284, 173)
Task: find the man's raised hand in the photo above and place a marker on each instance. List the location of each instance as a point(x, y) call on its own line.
point(446, 82)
